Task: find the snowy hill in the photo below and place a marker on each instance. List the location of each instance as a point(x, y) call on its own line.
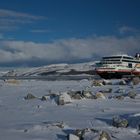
point(55, 69)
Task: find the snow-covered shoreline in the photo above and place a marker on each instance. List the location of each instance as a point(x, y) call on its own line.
point(36, 119)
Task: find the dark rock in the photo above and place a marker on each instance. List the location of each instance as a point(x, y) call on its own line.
point(87, 94)
point(109, 90)
point(79, 133)
point(85, 134)
point(25, 130)
point(59, 124)
point(45, 97)
point(138, 128)
point(119, 97)
point(118, 122)
point(61, 102)
point(132, 94)
point(29, 96)
point(88, 134)
point(97, 83)
point(75, 94)
point(104, 136)
point(106, 82)
point(135, 80)
point(52, 95)
point(120, 90)
point(122, 82)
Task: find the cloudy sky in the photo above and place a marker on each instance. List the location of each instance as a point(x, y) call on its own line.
point(41, 32)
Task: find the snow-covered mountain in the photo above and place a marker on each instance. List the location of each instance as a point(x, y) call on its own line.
point(54, 69)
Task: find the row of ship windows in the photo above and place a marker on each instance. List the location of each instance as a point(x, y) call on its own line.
point(119, 57)
point(129, 64)
point(123, 60)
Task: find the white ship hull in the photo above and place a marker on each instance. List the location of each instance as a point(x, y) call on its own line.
point(118, 67)
point(108, 73)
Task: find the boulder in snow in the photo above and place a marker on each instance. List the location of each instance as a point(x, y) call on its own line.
point(100, 95)
point(75, 94)
point(119, 97)
point(108, 90)
point(104, 136)
point(59, 124)
point(118, 122)
point(64, 98)
point(106, 82)
point(29, 96)
point(87, 94)
point(135, 80)
point(132, 94)
point(138, 128)
point(86, 134)
point(89, 134)
point(79, 133)
point(120, 90)
point(73, 137)
point(122, 82)
point(45, 97)
point(97, 83)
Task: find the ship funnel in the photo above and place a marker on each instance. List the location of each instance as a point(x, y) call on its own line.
point(137, 56)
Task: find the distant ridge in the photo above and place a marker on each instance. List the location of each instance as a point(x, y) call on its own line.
point(54, 69)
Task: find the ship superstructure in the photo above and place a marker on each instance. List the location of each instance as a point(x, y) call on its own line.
point(117, 66)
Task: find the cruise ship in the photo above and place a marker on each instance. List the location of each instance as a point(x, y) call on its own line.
point(118, 66)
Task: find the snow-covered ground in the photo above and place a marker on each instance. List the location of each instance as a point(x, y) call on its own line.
point(35, 119)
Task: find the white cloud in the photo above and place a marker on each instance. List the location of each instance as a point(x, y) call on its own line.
point(4, 13)
point(40, 31)
point(127, 29)
point(10, 20)
point(68, 50)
